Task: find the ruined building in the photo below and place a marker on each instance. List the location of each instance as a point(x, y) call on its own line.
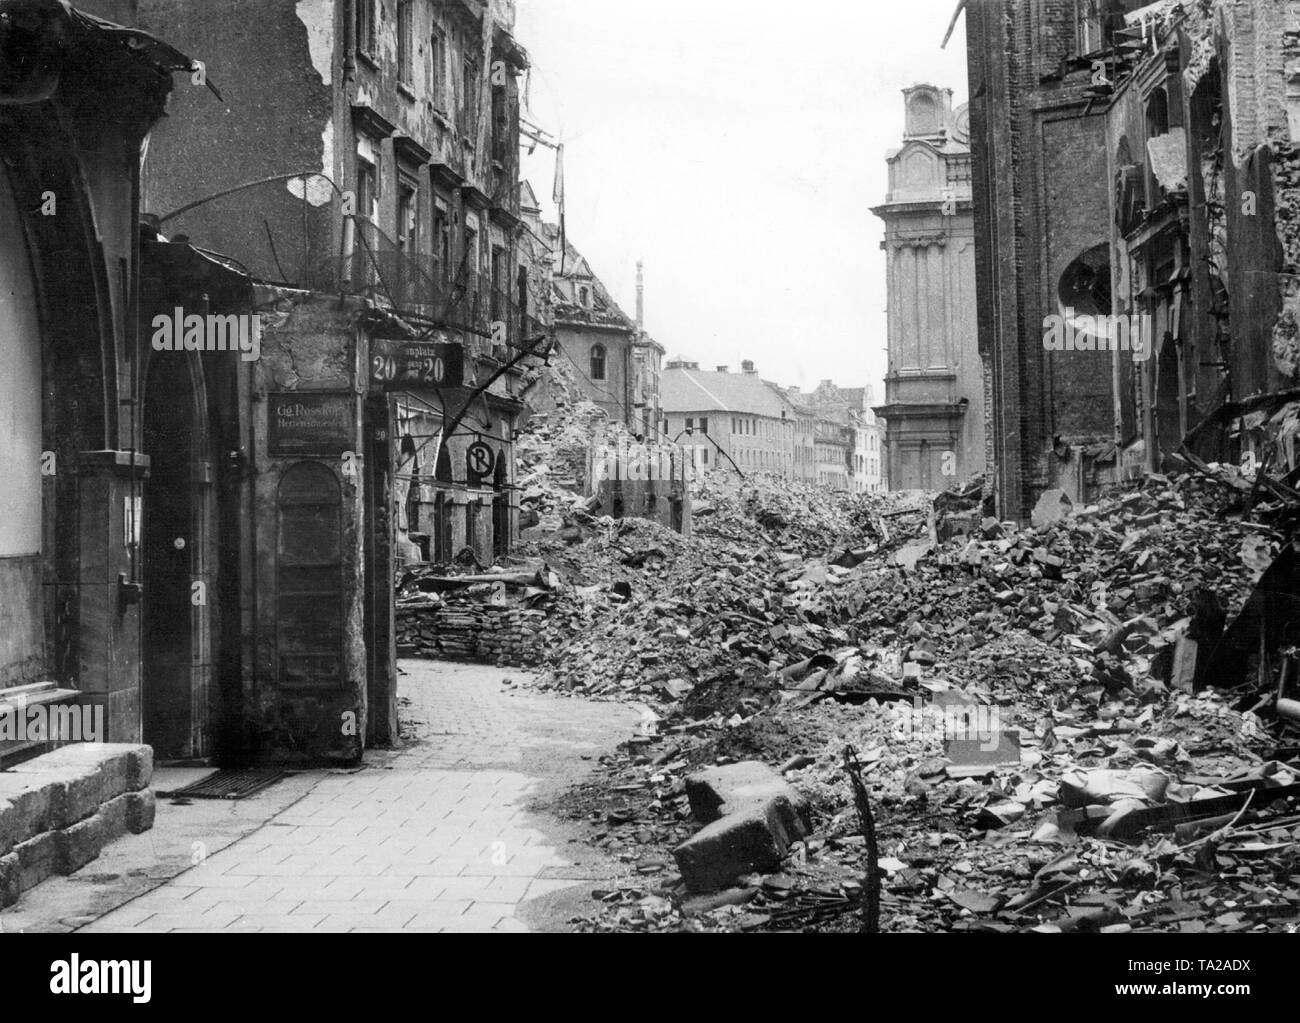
point(934, 387)
point(1135, 182)
point(606, 355)
point(76, 104)
point(364, 187)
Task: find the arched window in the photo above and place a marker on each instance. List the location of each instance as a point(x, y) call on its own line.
point(1157, 114)
point(597, 362)
point(442, 470)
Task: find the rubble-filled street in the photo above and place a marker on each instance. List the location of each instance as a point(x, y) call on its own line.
point(1070, 725)
point(654, 467)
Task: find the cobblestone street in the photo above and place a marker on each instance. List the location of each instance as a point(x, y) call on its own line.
point(434, 837)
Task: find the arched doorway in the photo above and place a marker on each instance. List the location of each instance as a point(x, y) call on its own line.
point(501, 508)
point(22, 618)
point(443, 507)
point(178, 590)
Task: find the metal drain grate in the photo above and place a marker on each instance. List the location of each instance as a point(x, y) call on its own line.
point(229, 784)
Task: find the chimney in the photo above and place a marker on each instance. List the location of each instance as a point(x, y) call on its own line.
point(640, 296)
point(748, 367)
point(722, 369)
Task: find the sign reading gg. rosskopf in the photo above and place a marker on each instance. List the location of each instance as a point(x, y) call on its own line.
point(312, 423)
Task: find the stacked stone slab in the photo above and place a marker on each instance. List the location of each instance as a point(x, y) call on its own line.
point(753, 816)
point(59, 810)
point(470, 631)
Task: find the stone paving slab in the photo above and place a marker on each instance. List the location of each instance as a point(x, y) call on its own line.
point(433, 837)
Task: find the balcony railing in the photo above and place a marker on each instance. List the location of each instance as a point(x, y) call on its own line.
point(286, 232)
point(425, 286)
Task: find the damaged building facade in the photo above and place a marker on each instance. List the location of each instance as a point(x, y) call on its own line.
point(606, 356)
point(365, 190)
point(87, 439)
point(83, 421)
point(1135, 181)
point(934, 387)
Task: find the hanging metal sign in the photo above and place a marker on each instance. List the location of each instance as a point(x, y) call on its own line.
point(402, 364)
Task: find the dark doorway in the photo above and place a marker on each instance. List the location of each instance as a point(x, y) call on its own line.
point(501, 509)
point(443, 507)
point(177, 591)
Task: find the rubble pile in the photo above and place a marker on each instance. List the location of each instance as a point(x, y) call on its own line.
point(1102, 595)
point(734, 613)
point(567, 454)
point(553, 452)
point(465, 614)
point(769, 511)
point(1035, 708)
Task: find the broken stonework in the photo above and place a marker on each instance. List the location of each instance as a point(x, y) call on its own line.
point(755, 815)
point(1053, 506)
point(752, 839)
point(720, 791)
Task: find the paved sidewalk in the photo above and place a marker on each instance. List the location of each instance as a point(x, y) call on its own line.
point(435, 837)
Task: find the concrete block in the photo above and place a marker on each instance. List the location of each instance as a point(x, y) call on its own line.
point(29, 810)
point(113, 816)
point(74, 790)
point(141, 808)
point(139, 767)
point(751, 839)
point(38, 859)
point(127, 767)
point(974, 758)
point(718, 791)
point(11, 888)
point(112, 760)
point(80, 844)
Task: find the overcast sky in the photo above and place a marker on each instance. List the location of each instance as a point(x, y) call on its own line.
point(737, 146)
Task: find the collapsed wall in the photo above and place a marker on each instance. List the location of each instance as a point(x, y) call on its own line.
point(1255, 46)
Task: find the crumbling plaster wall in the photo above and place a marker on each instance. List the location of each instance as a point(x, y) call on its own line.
point(1257, 43)
point(309, 344)
point(274, 63)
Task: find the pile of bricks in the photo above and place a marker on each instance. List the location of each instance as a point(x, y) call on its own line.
point(469, 631)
